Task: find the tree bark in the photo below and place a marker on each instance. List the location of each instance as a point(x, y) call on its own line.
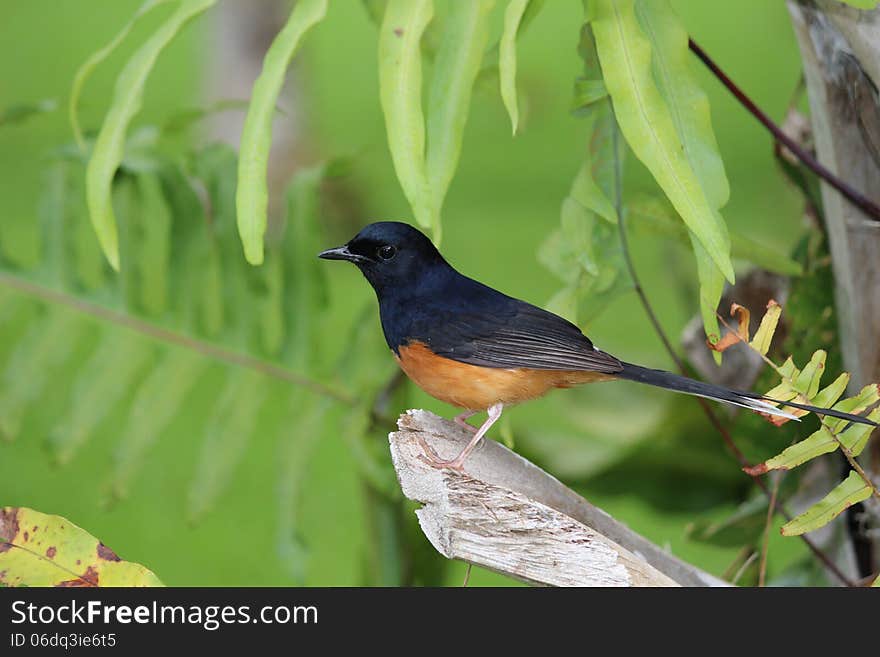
point(506, 514)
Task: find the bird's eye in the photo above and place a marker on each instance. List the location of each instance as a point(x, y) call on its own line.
point(386, 252)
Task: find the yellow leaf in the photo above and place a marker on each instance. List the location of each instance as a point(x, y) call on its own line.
point(37, 549)
point(764, 335)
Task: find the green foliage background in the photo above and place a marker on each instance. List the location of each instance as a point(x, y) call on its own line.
point(658, 470)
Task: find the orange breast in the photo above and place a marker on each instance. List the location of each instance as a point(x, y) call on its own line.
point(477, 388)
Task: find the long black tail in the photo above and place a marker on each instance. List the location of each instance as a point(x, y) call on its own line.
point(750, 400)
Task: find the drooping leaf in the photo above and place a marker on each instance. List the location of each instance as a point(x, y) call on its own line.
point(104, 379)
point(851, 490)
point(645, 120)
point(688, 108)
point(455, 69)
point(232, 422)
point(256, 138)
point(85, 70)
point(37, 549)
point(110, 143)
point(711, 288)
point(400, 91)
point(156, 402)
point(513, 16)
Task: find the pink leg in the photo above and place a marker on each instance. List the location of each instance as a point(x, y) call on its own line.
point(461, 420)
point(456, 463)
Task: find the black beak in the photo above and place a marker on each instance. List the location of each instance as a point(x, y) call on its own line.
point(341, 253)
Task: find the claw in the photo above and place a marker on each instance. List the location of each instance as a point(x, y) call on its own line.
point(431, 458)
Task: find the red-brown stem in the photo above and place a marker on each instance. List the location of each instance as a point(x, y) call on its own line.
point(854, 196)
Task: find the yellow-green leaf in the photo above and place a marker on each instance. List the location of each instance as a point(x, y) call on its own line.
point(400, 91)
point(868, 396)
point(832, 392)
point(37, 549)
point(252, 195)
point(507, 58)
point(818, 443)
point(110, 143)
point(455, 69)
point(851, 490)
point(85, 70)
point(644, 117)
point(861, 4)
point(821, 442)
point(764, 335)
point(856, 436)
point(807, 382)
point(688, 108)
point(711, 287)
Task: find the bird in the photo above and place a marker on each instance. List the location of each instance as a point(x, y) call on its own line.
point(478, 349)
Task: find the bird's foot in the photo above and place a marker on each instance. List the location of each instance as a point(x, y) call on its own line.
point(431, 457)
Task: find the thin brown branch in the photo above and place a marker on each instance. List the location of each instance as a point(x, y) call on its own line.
point(854, 196)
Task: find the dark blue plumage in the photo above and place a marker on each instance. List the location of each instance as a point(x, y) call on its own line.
point(422, 298)
point(424, 301)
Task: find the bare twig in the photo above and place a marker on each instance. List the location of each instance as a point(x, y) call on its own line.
point(855, 197)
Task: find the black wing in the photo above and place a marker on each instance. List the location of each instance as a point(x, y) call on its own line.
point(515, 334)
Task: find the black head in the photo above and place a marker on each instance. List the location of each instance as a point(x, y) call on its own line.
point(390, 254)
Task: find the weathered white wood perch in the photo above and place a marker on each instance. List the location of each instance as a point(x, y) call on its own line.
point(506, 514)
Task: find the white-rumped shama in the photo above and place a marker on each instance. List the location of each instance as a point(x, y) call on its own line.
point(471, 346)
